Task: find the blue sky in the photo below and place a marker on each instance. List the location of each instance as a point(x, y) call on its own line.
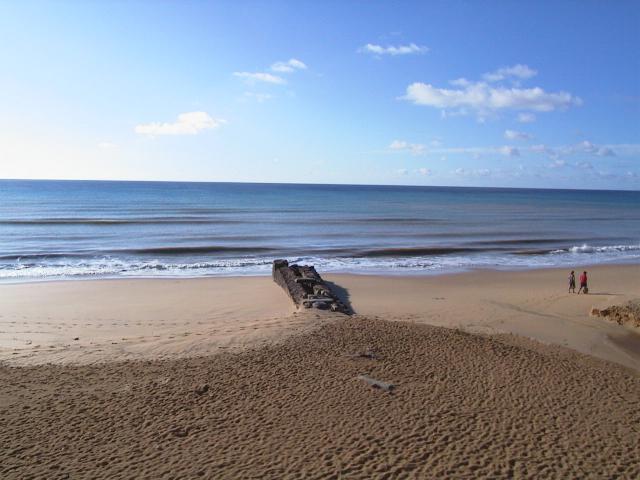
point(521, 94)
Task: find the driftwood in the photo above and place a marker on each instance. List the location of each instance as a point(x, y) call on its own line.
point(305, 287)
point(387, 387)
point(368, 355)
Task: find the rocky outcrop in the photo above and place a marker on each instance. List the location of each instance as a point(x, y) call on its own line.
point(628, 314)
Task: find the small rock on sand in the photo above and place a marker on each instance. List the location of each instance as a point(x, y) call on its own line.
point(179, 432)
point(202, 389)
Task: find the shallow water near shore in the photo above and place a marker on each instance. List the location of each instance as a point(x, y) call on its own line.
point(87, 229)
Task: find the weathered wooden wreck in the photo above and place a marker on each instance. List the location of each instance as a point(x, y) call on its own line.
point(305, 287)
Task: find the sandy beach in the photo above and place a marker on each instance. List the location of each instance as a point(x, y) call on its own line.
point(106, 320)
point(194, 378)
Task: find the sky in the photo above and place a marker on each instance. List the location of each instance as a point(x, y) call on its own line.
point(493, 93)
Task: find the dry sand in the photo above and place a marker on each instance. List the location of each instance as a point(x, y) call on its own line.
point(144, 319)
point(126, 400)
point(139, 319)
point(534, 304)
point(465, 406)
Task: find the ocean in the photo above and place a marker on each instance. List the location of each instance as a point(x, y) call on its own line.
point(95, 229)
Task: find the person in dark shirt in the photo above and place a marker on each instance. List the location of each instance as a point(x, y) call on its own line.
point(572, 282)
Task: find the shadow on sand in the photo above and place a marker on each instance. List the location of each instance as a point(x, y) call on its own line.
point(602, 293)
point(342, 293)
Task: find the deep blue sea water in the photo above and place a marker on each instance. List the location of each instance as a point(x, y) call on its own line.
point(85, 229)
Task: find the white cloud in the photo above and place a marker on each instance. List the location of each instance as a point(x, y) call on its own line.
point(589, 147)
point(481, 172)
point(508, 151)
point(413, 148)
point(550, 152)
point(605, 152)
point(289, 66)
point(398, 145)
point(522, 72)
point(515, 135)
point(189, 123)
point(585, 165)
point(553, 153)
point(624, 149)
point(526, 117)
point(487, 98)
point(106, 145)
point(585, 147)
point(411, 49)
point(558, 164)
point(252, 77)
point(460, 82)
point(483, 98)
point(424, 171)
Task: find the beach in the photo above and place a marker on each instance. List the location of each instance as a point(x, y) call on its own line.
point(310, 240)
point(129, 319)
point(496, 374)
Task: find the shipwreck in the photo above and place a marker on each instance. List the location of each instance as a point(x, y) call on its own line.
point(306, 288)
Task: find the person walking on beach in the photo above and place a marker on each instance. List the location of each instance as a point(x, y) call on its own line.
point(572, 282)
point(583, 283)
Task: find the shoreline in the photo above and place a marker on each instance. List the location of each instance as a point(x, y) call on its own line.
point(372, 273)
point(100, 320)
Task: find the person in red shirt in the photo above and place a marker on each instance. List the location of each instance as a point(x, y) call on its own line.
point(583, 283)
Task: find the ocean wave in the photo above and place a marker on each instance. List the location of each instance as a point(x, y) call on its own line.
point(186, 250)
point(118, 268)
point(521, 241)
point(584, 248)
point(412, 251)
point(243, 265)
point(118, 221)
point(164, 251)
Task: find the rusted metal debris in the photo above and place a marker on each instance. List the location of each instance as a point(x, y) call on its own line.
point(305, 287)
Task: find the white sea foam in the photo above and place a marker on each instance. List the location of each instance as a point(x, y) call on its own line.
point(584, 248)
point(107, 267)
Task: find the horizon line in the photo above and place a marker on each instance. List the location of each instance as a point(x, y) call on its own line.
point(311, 184)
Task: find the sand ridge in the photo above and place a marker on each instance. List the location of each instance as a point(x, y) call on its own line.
point(465, 406)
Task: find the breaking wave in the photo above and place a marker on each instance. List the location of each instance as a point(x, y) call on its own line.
point(388, 261)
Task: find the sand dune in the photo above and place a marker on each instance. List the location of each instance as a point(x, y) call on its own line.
point(465, 406)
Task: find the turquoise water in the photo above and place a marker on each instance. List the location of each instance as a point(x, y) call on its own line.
point(84, 229)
